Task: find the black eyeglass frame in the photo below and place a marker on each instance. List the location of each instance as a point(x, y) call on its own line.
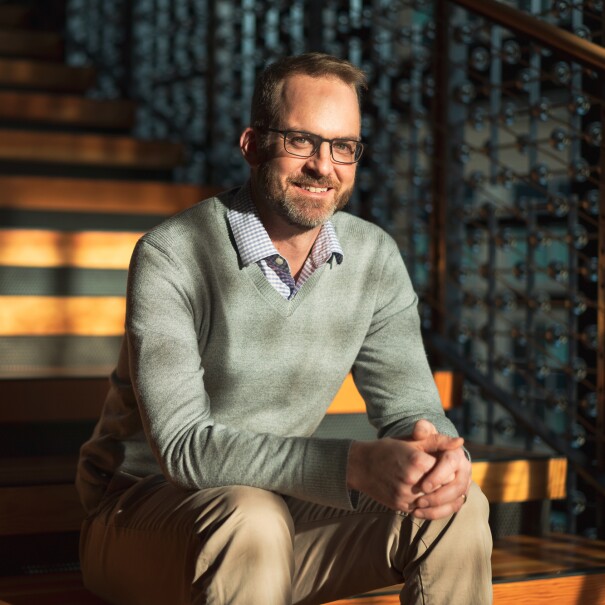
point(318, 141)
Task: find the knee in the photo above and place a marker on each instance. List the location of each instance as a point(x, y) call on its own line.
point(259, 513)
point(475, 515)
point(250, 520)
point(245, 548)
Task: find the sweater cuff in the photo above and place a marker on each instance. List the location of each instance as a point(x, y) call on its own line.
point(325, 473)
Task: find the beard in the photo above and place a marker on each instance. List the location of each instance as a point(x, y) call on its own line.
point(297, 208)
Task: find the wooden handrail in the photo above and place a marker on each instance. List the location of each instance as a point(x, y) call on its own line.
point(566, 43)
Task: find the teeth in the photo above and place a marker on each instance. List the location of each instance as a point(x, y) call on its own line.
point(315, 189)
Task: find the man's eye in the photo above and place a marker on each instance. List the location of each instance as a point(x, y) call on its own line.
point(300, 140)
point(344, 147)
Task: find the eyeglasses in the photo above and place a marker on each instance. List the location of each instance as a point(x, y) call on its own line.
point(305, 144)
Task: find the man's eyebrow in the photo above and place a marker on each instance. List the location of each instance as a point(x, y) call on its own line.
point(314, 134)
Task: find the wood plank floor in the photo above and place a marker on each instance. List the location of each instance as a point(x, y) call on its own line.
point(557, 570)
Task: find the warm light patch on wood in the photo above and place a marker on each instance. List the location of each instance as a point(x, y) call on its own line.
point(87, 195)
point(521, 480)
point(88, 149)
point(348, 400)
point(55, 315)
point(88, 250)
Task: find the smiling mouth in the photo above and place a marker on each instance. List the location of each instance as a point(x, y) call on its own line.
point(314, 189)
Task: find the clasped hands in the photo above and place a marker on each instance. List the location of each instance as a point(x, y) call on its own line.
point(426, 475)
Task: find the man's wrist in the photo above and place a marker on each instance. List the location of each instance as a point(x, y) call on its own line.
point(354, 464)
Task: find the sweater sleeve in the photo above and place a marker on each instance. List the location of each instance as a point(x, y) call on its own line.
point(192, 449)
point(391, 370)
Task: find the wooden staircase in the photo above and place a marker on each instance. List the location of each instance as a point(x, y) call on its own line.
point(76, 192)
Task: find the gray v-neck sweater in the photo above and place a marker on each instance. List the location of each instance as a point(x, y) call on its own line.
point(221, 381)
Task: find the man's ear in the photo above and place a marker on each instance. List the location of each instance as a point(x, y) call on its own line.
point(248, 143)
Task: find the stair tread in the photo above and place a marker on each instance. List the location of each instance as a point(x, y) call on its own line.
point(563, 582)
point(66, 110)
point(88, 149)
point(37, 470)
point(45, 76)
point(54, 315)
point(530, 556)
point(101, 196)
point(31, 44)
point(60, 469)
point(46, 248)
point(557, 559)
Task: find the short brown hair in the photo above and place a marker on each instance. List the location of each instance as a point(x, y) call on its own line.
point(266, 98)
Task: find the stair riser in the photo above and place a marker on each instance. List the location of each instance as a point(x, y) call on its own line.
point(14, 15)
point(88, 150)
point(86, 196)
point(45, 77)
point(33, 45)
point(64, 111)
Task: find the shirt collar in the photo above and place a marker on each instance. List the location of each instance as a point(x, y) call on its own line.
point(254, 244)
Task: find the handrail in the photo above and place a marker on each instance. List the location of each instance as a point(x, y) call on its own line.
point(568, 44)
point(538, 427)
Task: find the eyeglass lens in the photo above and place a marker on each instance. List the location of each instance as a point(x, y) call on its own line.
point(304, 144)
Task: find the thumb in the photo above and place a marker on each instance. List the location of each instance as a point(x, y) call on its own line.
point(422, 430)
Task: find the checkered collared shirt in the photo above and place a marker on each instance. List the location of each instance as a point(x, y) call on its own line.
point(255, 246)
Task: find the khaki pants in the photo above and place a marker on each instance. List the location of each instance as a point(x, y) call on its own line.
point(154, 544)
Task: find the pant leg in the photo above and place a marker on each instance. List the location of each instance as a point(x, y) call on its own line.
point(155, 544)
point(339, 553)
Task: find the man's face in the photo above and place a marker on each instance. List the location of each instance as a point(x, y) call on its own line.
point(306, 192)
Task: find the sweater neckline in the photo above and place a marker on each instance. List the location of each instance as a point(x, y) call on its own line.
point(283, 306)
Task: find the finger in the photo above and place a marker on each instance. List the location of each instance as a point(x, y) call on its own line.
point(438, 443)
point(452, 468)
point(404, 499)
point(443, 494)
point(417, 464)
point(439, 512)
point(423, 429)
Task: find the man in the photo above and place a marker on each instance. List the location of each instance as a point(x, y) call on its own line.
point(202, 480)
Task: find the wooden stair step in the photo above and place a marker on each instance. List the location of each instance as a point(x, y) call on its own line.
point(64, 110)
point(555, 569)
point(349, 399)
point(45, 76)
point(39, 509)
point(70, 399)
point(49, 502)
point(25, 43)
point(520, 478)
point(15, 15)
point(46, 589)
point(106, 196)
point(521, 486)
point(45, 248)
point(88, 150)
point(54, 315)
point(572, 573)
point(37, 470)
point(58, 399)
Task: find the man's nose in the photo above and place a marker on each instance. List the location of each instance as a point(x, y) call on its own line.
point(321, 161)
